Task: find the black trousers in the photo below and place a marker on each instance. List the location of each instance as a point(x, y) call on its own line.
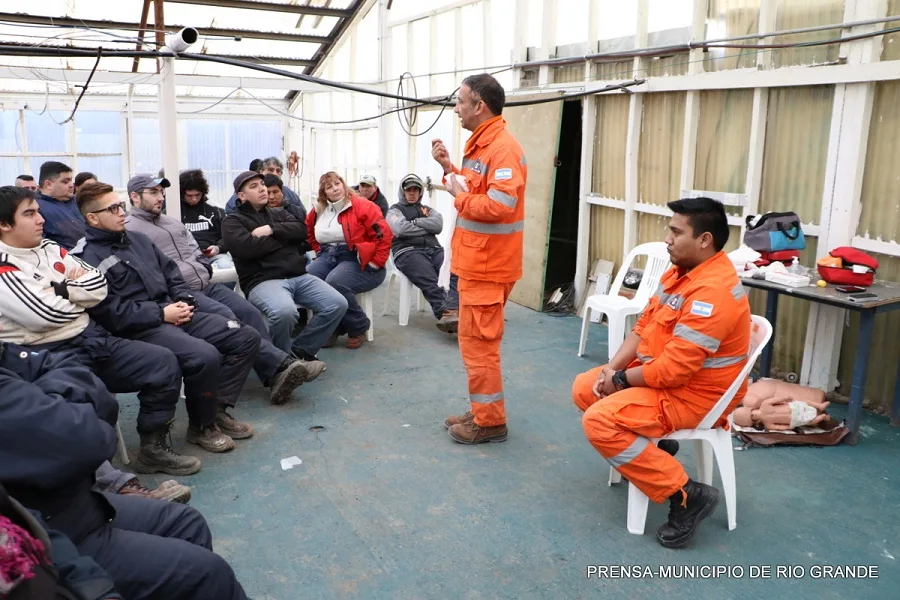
point(154, 549)
point(127, 366)
point(215, 354)
point(422, 266)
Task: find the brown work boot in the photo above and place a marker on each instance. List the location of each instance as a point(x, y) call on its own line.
point(355, 341)
point(170, 491)
point(468, 417)
point(470, 433)
point(331, 341)
point(449, 322)
point(233, 429)
point(209, 438)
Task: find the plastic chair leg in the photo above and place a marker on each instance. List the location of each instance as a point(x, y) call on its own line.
point(585, 323)
point(405, 289)
point(637, 510)
point(387, 293)
point(123, 451)
point(368, 307)
point(616, 335)
point(614, 476)
point(724, 453)
point(704, 453)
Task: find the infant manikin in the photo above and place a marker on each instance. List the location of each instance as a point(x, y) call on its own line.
point(779, 406)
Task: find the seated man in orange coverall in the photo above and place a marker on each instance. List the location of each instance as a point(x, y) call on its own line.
point(686, 350)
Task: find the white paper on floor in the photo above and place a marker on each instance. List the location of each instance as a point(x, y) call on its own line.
point(290, 463)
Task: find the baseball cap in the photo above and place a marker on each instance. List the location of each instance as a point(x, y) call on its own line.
point(146, 180)
point(243, 178)
point(370, 179)
point(412, 180)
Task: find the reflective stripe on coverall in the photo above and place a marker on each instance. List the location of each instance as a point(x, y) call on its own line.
point(487, 257)
point(695, 335)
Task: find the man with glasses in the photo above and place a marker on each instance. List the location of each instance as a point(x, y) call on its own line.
point(149, 301)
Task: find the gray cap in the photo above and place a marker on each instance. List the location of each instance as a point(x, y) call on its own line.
point(412, 180)
point(143, 181)
point(243, 178)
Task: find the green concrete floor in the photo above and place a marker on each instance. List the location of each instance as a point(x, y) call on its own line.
point(384, 505)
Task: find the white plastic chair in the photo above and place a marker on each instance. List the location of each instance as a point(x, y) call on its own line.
point(407, 289)
point(718, 442)
point(617, 308)
point(123, 451)
point(368, 304)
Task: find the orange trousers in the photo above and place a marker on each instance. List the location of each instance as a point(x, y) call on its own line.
point(480, 333)
point(619, 426)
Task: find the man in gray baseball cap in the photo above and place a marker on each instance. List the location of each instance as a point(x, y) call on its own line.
point(143, 181)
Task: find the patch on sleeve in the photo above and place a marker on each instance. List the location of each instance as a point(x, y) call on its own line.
point(502, 174)
point(701, 309)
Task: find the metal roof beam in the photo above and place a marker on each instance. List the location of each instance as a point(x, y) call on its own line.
point(319, 11)
point(214, 31)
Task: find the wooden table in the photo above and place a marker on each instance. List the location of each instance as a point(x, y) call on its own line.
point(887, 299)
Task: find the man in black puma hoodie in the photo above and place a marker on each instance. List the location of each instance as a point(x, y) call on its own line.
point(202, 219)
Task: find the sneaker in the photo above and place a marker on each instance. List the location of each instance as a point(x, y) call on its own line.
point(233, 429)
point(449, 322)
point(156, 455)
point(355, 341)
point(209, 438)
point(687, 507)
point(169, 491)
point(286, 381)
point(470, 433)
point(468, 417)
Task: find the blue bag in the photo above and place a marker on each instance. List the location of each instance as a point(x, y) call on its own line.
point(774, 232)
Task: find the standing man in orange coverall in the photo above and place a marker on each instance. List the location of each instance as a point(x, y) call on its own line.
point(686, 350)
point(487, 249)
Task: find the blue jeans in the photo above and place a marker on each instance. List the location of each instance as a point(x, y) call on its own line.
point(340, 268)
point(222, 261)
point(278, 300)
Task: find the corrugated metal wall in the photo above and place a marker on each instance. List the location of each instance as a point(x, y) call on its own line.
point(662, 132)
point(795, 14)
point(607, 228)
point(723, 140)
point(608, 178)
point(730, 18)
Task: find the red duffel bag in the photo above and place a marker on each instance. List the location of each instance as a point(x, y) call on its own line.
point(838, 267)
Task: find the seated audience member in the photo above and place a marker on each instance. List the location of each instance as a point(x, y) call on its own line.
point(44, 295)
point(685, 352)
point(368, 189)
point(268, 166)
point(418, 253)
point(353, 243)
point(149, 301)
point(63, 223)
point(42, 563)
point(83, 178)
point(275, 187)
point(201, 218)
point(275, 368)
point(27, 182)
point(57, 422)
point(269, 248)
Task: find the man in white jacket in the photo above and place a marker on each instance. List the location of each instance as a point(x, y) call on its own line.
point(44, 294)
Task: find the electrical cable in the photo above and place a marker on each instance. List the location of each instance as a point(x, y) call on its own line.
point(83, 90)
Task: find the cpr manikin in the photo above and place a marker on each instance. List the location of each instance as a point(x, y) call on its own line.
point(779, 406)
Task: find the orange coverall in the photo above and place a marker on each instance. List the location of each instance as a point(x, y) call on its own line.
point(487, 257)
point(695, 336)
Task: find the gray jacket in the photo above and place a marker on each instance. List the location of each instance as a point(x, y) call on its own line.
point(175, 241)
point(413, 225)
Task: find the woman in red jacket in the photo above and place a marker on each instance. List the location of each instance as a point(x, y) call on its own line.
point(352, 242)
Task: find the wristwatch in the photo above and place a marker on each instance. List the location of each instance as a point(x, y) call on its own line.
point(620, 381)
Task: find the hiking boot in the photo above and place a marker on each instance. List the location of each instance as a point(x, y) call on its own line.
point(687, 507)
point(170, 491)
point(289, 378)
point(331, 341)
point(314, 368)
point(449, 322)
point(355, 341)
point(157, 456)
point(468, 417)
point(209, 438)
point(233, 429)
point(670, 446)
point(470, 433)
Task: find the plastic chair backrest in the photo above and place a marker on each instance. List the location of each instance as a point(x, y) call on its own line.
point(760, 333)
point(657, 263)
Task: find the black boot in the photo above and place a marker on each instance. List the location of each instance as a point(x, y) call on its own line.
point(688, 506)
point(157, 456)
point(670, 446)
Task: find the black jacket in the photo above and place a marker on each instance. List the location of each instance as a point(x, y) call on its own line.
point(281, 255)
point(57, 423)
point(379, 200)
point(142, 280)
point(204, 221)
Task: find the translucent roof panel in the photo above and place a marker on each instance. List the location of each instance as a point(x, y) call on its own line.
point(282, 39)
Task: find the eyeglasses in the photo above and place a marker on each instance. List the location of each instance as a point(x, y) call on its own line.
point(153, 192)
point(112, 209)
